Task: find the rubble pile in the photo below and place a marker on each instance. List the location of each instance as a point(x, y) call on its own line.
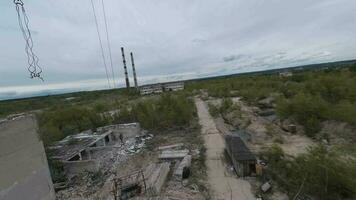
point(86, 184)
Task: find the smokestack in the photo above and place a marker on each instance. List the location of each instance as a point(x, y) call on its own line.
point(124, 61)
point(133, 70)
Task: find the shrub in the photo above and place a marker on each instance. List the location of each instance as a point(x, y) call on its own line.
point(306, 109)
point(321, 173)
point(213, 110)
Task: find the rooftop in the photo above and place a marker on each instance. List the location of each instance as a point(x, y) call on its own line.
point(72, 145)
point(238, 148)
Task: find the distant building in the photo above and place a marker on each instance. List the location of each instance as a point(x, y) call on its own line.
point(243, 160)
point(24, 172)
point(161, 87)
point(285, 74)
point(151, 89)
point(176, 86)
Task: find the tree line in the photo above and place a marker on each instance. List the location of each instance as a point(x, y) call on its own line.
point(156, 113)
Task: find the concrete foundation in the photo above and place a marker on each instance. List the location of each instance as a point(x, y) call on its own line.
point(157, 179)
point(24, 172)
point(76, 167)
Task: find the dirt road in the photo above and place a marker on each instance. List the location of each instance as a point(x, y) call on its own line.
point(223, 185)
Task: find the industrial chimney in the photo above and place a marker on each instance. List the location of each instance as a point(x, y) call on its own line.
point(133, 70)
point(124, 61)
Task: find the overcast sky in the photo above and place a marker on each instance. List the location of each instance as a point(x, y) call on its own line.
point(171, 40)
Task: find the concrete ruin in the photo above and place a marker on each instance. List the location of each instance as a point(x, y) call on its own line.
point(24, 169)
point(157, 178)
point(141, 183)
point(173, 154)
point(244, 162)
point(183, 169)
point(161, 87)
point(81, 152)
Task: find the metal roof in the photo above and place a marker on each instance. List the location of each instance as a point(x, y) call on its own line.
point(238, 148)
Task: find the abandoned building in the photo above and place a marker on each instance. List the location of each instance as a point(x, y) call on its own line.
point(173, 86)
point(285, 74)
point(79, 152)
point(24, 170)
point(161, 87)
point(243, 160)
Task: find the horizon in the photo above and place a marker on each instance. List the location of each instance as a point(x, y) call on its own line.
point(175, 40)
point(122, 86)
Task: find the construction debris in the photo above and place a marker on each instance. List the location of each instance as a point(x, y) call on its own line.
point(265, 187)
point(157, 178)
point(173, 154)
point(173, 146)
point(183, 170)
point(128, 186)
point(92, 151)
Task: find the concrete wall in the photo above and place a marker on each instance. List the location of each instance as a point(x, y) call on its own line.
point(77, 167)
point(24, 172)
point(128, 131)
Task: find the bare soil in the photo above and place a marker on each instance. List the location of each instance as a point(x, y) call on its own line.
point(265, 133)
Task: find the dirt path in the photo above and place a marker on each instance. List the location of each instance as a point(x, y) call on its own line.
point(223, 185)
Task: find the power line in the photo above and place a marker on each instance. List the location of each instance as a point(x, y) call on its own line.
point(32, 60)
point(101, 45)
point(108, 41)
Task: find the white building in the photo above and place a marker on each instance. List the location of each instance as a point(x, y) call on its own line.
point(285, 74)
point(161, 87)
point(174, 86)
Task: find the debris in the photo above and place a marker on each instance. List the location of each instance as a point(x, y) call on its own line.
point(157, 178)
point(183, 170)
point(266, 102)
point(265, 187)
point(129, 185)
point(138, 144)
point(194, 187)
point(267, 112)
point(60, 186)
point(174, 146)
point(177, 154)
point(292, 128)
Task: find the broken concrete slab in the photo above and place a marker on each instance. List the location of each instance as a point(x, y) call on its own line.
point(173, 154)
point(157, 178)
point(73, 168)
point(265, 187)
point(173, 146)
point(183, 169)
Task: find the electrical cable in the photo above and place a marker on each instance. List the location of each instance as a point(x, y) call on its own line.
point(108, 42)
point(32, 60)
point(100, 41)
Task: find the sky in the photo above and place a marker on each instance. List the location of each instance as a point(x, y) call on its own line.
point(171, 40)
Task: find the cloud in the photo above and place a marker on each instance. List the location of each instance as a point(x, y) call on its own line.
point(233, 57)
point(178, 38)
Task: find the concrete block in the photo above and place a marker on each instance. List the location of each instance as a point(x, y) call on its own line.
point(183, 165)
point(170, 154)
point(157, 179)
point(170, 146)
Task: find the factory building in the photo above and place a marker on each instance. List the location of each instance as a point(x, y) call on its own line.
point(161, 87)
